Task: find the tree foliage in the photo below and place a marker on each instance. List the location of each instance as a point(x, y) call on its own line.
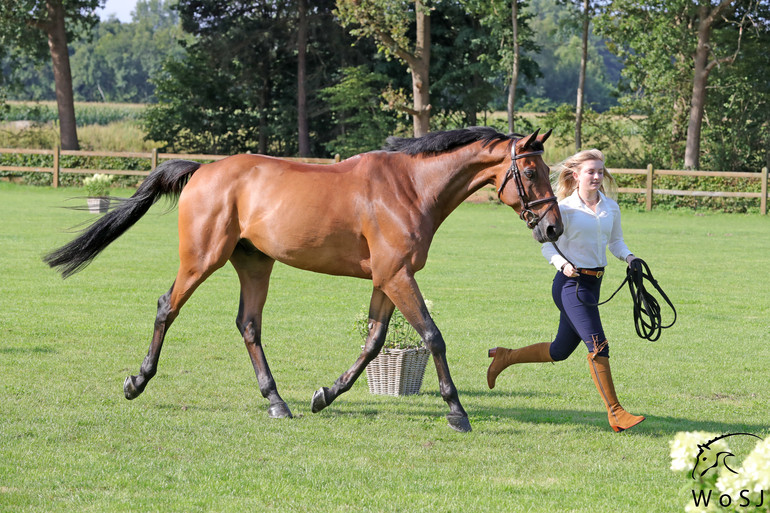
point(356, 104)
point(402, 29)
point(29, 27)
point(235, 87)
point(657, 43)
point(117, 64)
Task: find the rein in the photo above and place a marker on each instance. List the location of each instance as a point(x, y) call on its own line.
point(526, 214)
point(647, 312)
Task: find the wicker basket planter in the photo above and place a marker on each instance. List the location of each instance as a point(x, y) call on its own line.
point(98, 205)
point(397, 371)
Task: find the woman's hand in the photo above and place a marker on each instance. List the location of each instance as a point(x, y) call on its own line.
point(569, 271)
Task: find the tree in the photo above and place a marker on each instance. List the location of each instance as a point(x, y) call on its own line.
point(582, 77)
point(515, 70)
point(117, 63)
point(670, 50)
point(355, 101)
point(557, 31)
point(303, 143)
point(236, 87)
point(507, 23)
point(706, 60)
point(27, 24)
point(388, 21)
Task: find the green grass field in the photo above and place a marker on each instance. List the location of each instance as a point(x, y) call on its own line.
point(199, 438)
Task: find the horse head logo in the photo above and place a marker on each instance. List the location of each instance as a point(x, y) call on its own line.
point(712, 457)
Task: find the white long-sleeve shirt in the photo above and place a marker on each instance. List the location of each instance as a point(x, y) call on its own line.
point(588, 234)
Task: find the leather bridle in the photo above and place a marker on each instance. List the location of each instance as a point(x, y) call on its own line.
point(527, 215)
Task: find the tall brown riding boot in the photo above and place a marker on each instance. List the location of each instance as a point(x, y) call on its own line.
point(619, 418)
point(505, 357)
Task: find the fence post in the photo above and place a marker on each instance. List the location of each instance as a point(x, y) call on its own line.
point(649, 188)
point(763, 199)
point(154, 159)
point(56, 152)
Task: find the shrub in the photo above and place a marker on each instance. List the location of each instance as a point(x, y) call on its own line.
point(97, 185)
point(401, 334)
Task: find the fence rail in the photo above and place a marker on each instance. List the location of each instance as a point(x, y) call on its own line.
point(649, 190)
point(154, 157)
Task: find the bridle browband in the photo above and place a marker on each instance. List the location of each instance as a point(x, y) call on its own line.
point(527, 215)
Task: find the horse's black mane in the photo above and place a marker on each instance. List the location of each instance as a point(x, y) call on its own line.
point(437, 142)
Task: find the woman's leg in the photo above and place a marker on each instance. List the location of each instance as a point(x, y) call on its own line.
point(577, 297)
point(563, 345)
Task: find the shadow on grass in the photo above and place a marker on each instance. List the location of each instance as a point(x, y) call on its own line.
point(28, 350)
point(654, 426)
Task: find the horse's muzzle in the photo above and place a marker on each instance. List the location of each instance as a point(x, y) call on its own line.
point(546, 227)
point(548, 232)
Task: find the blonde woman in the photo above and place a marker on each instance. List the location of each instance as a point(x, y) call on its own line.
point(591, 225)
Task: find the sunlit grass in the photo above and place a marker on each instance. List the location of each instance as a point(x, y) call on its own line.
point(199, 438)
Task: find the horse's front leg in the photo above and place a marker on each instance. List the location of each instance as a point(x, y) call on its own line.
point(404, 292)
point(380, 311)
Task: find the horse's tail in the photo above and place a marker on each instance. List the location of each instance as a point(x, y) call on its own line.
point(167, 180)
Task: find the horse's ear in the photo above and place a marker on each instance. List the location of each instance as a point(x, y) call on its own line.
point(532, 137)
point(546, 135)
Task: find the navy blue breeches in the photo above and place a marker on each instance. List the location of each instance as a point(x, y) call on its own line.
point(578, 321)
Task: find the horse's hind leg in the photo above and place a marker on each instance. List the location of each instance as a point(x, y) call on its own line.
point(254, 270)
point(134, 385)
point(168, 309)
point(380, 311)
point(200, 255)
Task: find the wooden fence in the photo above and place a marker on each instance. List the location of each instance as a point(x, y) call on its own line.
point(154, 157)
point(649, 190)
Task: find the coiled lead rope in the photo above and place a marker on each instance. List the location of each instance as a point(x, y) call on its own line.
point(646, 309)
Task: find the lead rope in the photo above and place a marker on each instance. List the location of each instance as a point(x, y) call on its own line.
point(647, 312)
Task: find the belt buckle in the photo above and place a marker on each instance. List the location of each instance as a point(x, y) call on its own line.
point(599, 274)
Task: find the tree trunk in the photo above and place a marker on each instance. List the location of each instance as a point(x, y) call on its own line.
point(582, 80)
point(60, 59)
point(700, 78)
point(420, 73)
point(303, 144)
point(515, 70)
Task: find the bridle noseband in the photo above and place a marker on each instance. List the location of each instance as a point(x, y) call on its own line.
point(527, 215)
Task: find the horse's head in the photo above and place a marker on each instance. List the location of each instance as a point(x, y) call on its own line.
point(712, 455)
point(526, 186)
point(709, 458)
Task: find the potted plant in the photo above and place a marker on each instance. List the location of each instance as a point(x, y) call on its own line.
point(98, 189)
point(399, 368)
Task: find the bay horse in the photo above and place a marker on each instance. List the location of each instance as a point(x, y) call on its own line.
point(372, 216)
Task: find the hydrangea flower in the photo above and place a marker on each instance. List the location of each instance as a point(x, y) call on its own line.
point(751, 480)
point(685, 448)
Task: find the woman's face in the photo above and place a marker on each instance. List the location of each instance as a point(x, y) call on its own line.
point(589, 176)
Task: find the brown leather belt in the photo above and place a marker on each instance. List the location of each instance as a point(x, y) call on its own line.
point(589, 272)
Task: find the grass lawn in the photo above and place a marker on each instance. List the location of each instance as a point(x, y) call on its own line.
point(199, 438)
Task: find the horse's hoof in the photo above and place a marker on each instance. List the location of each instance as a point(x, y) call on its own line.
point(319, 400)
point(129, 389)
point(459, 422)
point(279, 411)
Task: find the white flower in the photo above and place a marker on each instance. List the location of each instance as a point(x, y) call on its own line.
point(753, 476)
point(685, 448)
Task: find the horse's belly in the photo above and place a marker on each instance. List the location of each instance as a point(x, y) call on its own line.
point(341, 255)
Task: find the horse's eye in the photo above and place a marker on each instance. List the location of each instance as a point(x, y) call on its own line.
point(529, 173)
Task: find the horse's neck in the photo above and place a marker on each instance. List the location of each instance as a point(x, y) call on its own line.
point(455, 177)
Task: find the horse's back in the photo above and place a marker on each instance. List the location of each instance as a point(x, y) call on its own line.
point(305, 215)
